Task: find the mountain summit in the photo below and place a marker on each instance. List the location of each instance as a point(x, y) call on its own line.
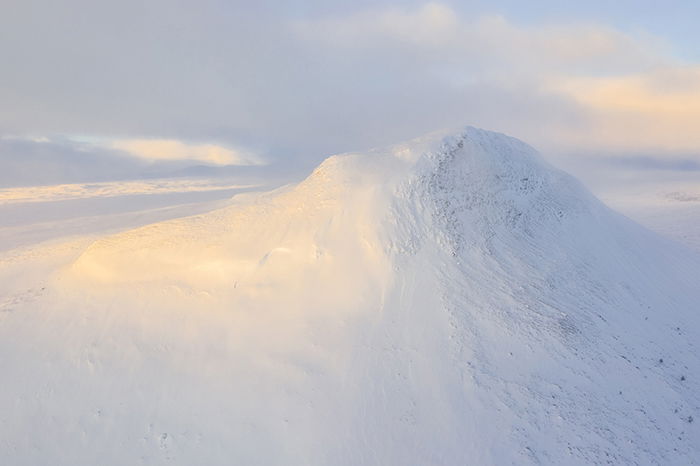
point(450, 300)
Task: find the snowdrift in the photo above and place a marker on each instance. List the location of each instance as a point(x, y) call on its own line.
point(450, 300)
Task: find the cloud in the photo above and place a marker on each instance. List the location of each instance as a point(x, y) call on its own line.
point(650, 162)
point(42, 161)
point(436, 31)
point(169, 149)
point(610, 89)
point(28, 161)
point(658, 110)
point(433, 25)
point(296, 84)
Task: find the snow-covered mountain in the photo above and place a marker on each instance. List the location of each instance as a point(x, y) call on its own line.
point(450, 300)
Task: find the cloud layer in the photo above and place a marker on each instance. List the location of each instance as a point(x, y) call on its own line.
point(162, 79)
point(169, 149)
point(584, 85)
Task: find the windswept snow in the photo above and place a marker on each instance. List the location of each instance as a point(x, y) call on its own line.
point(450, 300)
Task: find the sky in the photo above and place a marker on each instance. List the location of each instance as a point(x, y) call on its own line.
point(94, 86)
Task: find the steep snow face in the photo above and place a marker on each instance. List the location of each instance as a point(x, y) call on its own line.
point(559, 310)
point(450, 300)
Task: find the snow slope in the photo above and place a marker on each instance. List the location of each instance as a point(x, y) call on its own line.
point(450, 300)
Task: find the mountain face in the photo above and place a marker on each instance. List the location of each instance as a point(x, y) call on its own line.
point(450, 300)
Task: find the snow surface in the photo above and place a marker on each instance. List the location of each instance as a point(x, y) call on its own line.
point(450, 300)
point(671, 209)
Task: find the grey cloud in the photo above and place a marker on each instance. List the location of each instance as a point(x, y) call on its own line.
point(633, 160)
point(241, 73)
point(237, 75)
point(28, 162)
point(672, 162)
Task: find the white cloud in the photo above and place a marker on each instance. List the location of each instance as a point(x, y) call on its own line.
point(616, 90)
point(170, 149)
point(435, 30)
point(343, 78)
point(433, 24)
point(657, 110)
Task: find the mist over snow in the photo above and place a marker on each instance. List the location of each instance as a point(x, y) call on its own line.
point(454, 299)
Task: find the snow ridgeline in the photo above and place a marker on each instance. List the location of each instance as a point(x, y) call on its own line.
point(450, 300)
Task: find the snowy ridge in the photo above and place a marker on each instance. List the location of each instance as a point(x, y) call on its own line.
point(450, 300)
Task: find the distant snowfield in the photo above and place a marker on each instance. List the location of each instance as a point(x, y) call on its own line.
point(113, 189)
point(671, 209)
point(451, 300)
point(34, 214)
